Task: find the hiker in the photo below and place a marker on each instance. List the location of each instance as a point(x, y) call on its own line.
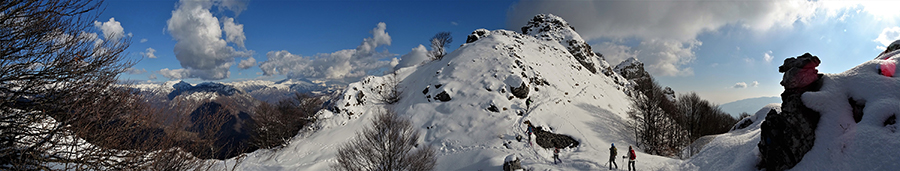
point(556, 156)
point(529, 131)
point(612, 156)
point(631, 157)
point(528, 104)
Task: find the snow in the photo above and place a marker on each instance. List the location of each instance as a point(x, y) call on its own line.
point(735, 150)
point(589, 107)
point(843, 144)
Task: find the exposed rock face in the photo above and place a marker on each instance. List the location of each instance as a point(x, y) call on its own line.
point(632, 69)
point(787, 136)
point(477, 34)
point(670, 94)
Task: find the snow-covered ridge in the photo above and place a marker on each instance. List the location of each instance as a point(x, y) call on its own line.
point(471, 105)
point(260, 89)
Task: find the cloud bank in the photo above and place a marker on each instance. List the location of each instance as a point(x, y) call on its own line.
point(342, 66)
point(200, 48)
point(666, 30)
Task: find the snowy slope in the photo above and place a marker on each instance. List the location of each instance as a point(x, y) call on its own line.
point(841, 142)
point(569, 99)
point(736, 150)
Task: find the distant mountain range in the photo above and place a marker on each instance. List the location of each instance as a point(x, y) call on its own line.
point(750, 105)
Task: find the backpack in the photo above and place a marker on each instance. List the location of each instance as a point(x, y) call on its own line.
point(613, 151)
point(631, 155)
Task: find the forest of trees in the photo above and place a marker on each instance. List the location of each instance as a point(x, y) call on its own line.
point(664, 127)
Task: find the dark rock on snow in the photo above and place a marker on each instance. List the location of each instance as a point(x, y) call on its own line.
point(550, 140)
point(443, 96)
point(520, 92)
point(477, 34)
point(787, 136)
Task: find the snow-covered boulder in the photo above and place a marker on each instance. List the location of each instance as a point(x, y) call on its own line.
point(512, 163)
point(477, 34)
point(517, 86)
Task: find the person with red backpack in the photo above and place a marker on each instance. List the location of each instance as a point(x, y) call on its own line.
point(631, 158)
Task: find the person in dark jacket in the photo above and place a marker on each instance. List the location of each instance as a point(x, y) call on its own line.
point(556, 156)
point(613, 152)
point(530, 131)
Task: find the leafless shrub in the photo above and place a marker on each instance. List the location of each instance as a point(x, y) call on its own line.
point(388, 144)
point(389, 91)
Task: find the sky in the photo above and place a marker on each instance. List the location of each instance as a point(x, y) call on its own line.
point(723, 50)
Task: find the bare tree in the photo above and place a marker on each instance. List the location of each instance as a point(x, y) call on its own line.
point(389, 91)
point(655, 120)
point(439, 43)
point(386, 145)
point(57, 80)
point(275, 125)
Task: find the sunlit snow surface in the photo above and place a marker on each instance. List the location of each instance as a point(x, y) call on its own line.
point(589, 107)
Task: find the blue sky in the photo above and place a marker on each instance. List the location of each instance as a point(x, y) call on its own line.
point(725, 51)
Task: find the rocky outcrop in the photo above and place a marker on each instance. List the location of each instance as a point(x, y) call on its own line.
point(631, 69)
point(553, 28)
point(786, 137)
point(477, 34)
point(550, 140)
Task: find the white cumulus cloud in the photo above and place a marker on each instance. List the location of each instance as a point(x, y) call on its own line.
point(234, 32)
point(754, 84)
point(740, 85)
point(143, 40)
point(112, 29)
point(247, 63)
point(149, 53)
point(667, 30)
point(768, 56)
point(887, 36)
point(344, 65)
point(200, 48)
